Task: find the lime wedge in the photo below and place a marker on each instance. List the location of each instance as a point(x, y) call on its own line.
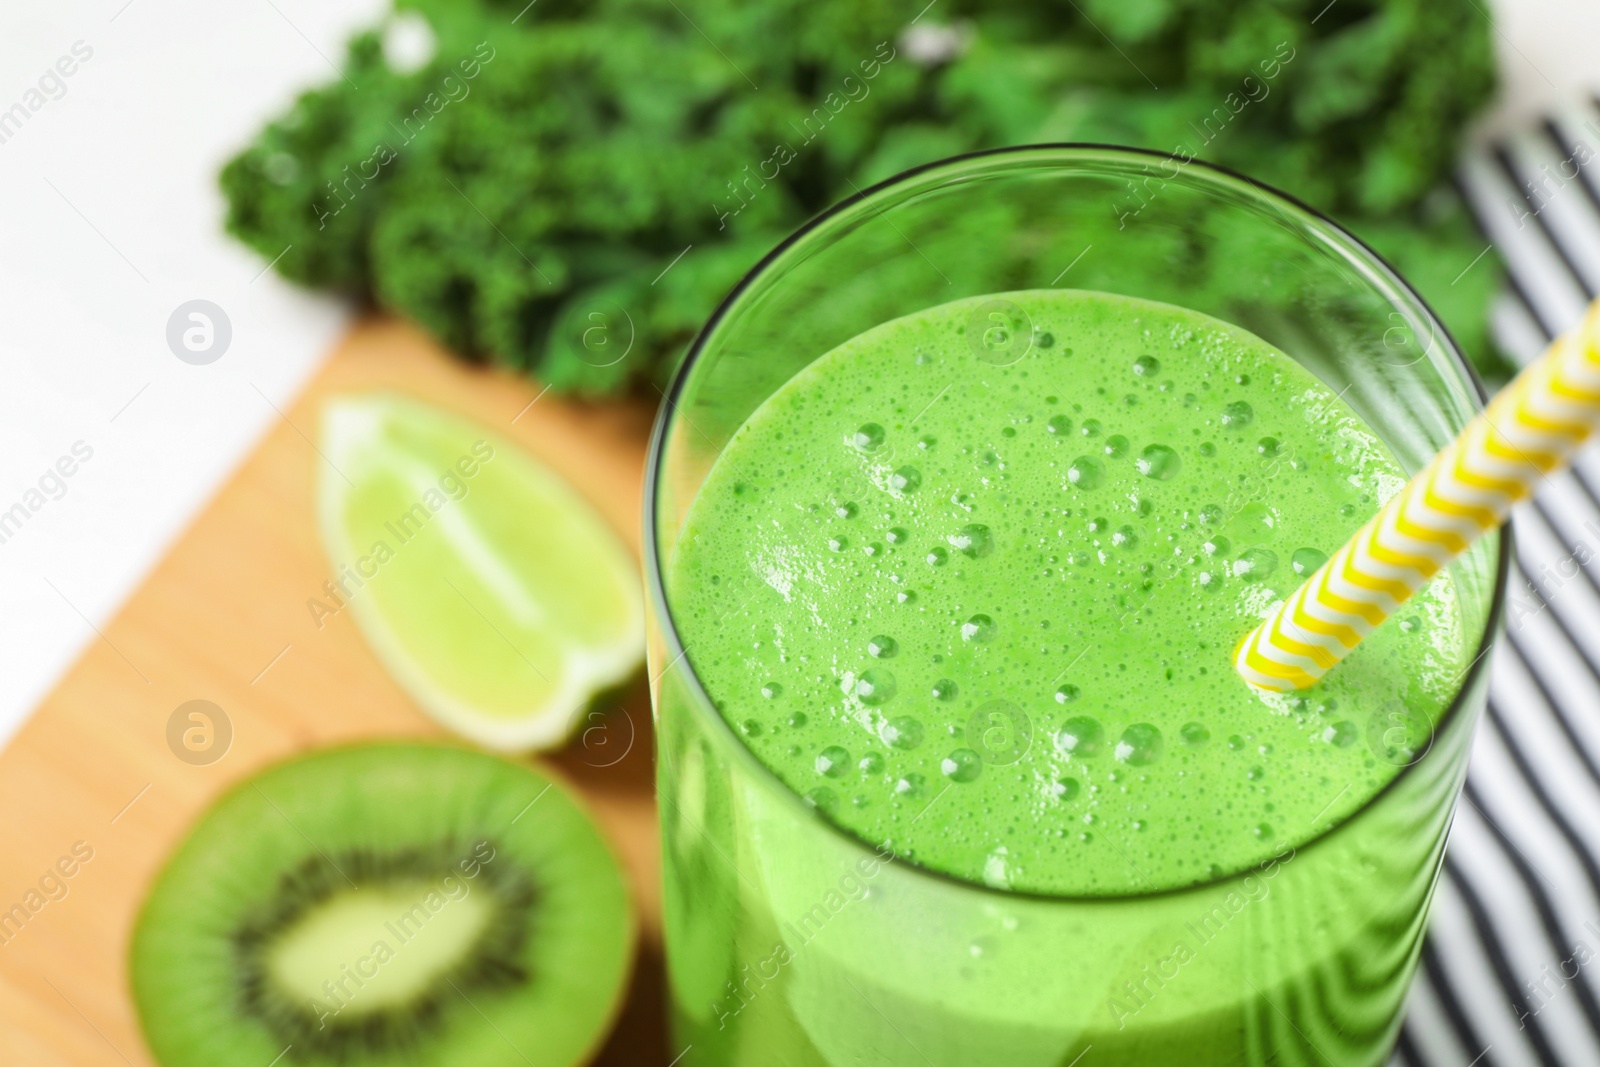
point(493, 593)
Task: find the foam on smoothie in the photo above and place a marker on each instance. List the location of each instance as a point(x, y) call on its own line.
point(982, 610)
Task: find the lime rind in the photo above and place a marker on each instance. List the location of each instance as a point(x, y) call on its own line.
point(504, 610)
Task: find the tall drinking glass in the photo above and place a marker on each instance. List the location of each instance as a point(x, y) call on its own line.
point(791, 942)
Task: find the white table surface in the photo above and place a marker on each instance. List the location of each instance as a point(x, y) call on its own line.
point(110, 218)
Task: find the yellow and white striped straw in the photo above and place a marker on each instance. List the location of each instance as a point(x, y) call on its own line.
point(1531, 427)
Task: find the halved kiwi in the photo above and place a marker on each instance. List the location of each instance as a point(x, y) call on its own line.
point(385, 904)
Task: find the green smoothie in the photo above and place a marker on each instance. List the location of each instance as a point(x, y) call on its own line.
point(969, 585)
point(979, 608)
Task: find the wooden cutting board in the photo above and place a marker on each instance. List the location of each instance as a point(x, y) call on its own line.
point(223, 618)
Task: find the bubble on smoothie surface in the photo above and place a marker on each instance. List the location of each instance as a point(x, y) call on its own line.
point(1238, 415)
point(868, 437)
point(902, 732)
point(822, 797)
point(905, 480)
point(973, 540)
point(1086, 473)
point(1256, 564)
point(1159, 462)
point(962, 765)
point(875, 686)
point(978, 628)
point(1080, 736)
point(1305, 561)
point(1342, 734)
point(996, 875)
point(832, 761)
point(1140, 745)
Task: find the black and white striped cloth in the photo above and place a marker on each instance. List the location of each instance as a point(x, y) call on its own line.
point(1511, 968)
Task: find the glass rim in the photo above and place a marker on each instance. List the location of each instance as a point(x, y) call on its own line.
point(655, 584)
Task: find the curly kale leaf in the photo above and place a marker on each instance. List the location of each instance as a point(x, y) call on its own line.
point(559, 185)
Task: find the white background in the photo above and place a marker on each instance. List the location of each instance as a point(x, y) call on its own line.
point(110, 218)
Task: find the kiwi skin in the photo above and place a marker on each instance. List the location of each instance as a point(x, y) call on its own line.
point(273, 847)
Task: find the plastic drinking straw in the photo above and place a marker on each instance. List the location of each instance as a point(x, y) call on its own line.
point(1530, 428)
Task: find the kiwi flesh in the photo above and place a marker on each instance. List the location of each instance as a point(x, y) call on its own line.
point(382, 904)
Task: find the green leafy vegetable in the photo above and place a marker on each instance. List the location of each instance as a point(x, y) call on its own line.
point(550, 186)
